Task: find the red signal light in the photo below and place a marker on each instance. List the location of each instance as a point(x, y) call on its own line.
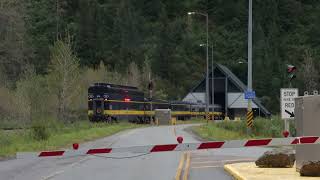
point(127, 99)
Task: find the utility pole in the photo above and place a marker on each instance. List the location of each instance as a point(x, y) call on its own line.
point(57, 19)
point(212, 85)
point(207, 77)
point(249, 112)
point(150, 88)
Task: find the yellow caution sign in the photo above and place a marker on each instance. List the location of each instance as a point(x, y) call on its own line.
point(250, 119)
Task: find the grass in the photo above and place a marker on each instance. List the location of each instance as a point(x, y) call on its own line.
point(192, 121)
point(10, 124)
point(59, 136)
point(229, 130)
point(211, 132)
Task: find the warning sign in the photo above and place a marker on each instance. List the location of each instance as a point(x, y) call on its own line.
point(287, 102)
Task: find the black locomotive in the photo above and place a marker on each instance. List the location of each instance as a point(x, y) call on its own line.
point(110, 102)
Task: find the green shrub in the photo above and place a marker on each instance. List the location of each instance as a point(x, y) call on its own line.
point(262, 127)
point(40, 131)
point(292, 129)
point(268, 127)
point(228, 130)
point(238, 126)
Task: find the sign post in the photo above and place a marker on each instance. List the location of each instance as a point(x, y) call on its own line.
point(287, 104)
point(249, 95)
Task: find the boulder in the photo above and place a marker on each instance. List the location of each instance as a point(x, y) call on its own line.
point(277, 158)
point(310, 169)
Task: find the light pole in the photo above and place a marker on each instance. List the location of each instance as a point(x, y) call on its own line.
point(207, 59)
point(249, 62)
point(212, 80)
point(212, 83)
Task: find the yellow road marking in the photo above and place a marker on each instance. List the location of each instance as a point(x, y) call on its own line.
point(187, 167)
point(179, 170)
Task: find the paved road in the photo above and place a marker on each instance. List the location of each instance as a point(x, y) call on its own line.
point(157, 166)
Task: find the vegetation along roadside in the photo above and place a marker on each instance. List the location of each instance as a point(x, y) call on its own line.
point(230, 130)
point(59, 135)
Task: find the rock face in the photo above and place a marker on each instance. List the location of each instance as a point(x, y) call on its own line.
point(279, 158)
point(310, 169)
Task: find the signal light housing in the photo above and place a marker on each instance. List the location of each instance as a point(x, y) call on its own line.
point(291, 68)
point(291, 71)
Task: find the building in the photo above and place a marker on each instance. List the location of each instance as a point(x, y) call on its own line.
point(228, 93)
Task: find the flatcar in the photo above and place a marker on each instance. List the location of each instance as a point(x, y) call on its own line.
point(111, 103)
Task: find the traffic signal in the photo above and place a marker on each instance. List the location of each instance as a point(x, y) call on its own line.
point(291, 71)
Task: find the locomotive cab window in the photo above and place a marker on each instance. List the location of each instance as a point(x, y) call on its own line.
point(98, 104)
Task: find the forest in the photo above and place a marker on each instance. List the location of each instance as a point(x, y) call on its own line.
point(52, 50)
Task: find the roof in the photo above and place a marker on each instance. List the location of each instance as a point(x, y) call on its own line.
point(241, 86)
point(237, 82)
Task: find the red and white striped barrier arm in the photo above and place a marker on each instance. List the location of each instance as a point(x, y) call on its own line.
point(179, 147)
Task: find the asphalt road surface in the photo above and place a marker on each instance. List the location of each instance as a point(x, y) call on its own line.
point(202, 165)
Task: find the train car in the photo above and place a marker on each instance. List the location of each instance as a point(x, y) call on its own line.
point(181, 110)
point(199, 110)
point(111, 103)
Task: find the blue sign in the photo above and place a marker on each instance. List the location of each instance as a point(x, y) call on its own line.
point(249, 94)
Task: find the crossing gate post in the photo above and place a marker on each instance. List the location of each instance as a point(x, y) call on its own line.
point(250, 119)
point(208, 117)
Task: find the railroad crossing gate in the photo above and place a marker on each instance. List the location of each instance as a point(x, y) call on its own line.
point(287, 102)
point(271, 142)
